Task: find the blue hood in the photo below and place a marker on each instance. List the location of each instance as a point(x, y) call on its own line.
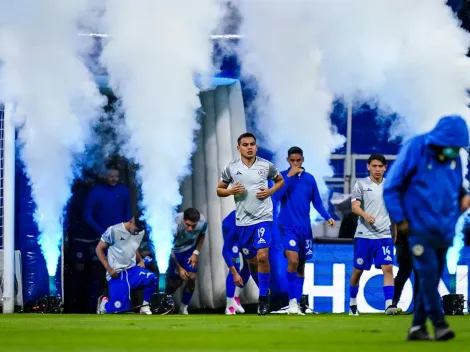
point(450, 131)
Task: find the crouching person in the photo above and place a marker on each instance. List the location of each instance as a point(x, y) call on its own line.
point(125, 268)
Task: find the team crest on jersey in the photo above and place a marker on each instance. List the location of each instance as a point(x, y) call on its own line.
point(79, 255)
point(292, 243)
point(117, 304)
point(261, 172)
point(235, 249)
point(360, 261)
point(418, 250)
point(246, 251)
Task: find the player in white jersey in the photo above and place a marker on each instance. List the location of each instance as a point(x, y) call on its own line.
point(190, 230)
point(248, 176)
point(125, 268)
point(373, 239)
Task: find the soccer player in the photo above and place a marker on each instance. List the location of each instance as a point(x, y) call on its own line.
point(373, 239)
point(299, 192)
point(424, 195)
point(190, 231)
point(249, 176)
point(236, 278)
point(125, 268)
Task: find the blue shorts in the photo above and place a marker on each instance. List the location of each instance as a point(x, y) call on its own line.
point(254, 237)
point(298, 239)
point(182, 259)
point(366, 251)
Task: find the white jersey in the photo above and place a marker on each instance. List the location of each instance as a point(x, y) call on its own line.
point(370, 194)
point(184, 240)
point(122, 247)
point(251, 210)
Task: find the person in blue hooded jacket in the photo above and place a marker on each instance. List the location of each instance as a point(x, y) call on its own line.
point(424, 196)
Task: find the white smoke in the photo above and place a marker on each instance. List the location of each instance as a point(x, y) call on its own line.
point(153, 51)
point(294, 102)
point(407, 56)
point(55, 102)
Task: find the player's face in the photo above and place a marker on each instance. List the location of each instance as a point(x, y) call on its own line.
point(295, 160)
point(189, 225)
point(376, 169)
point(112, 177)
point(247, 147)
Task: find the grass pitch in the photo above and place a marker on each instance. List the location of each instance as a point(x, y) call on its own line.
point(321, 333)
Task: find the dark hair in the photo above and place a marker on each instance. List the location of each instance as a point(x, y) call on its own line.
point(192, 214)
point(295, 150)
point(112, 166)
point(246, 135)
point(378, 157)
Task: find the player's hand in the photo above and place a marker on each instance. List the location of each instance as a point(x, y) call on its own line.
point(113, 273)
point(464, 203)
point(403, 227)
point(141, 264)
point(295, 171)
point(369, 218)
point(237, 280)
point(331, 223)
point(193, 260)
point(263, 193)
point(183, 274)
point(238, 188)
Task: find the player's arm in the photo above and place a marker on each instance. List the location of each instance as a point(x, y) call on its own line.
point(397, 181)
point(464, 199)
point(318, 204)
point(138, 257)
point(103, 245)
point(223, 190)
point(356, 200)
point(287, 182)
point(275, 175)
point(394, 232)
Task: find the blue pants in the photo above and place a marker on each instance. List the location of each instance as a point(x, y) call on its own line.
point(429, 263)
point(120, 288)
point(182, 258)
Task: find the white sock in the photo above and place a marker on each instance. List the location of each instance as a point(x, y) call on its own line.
point(238, 290)
point(353, 302)
point(388, 303)
point(183, 306)
point(230, 302)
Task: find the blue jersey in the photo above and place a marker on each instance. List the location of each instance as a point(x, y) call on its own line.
point(295, 198)
point(427, 191)
point(107, 206)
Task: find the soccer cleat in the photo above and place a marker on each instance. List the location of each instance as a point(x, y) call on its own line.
point(293, 307)
point(443, 332)
point(238, 307)
point(145, 310)
point(101, 306)
point(263, 308)
point(418, 333)
point(184, 309)
point(393, 310)
point(353, 310)
point(230, 311)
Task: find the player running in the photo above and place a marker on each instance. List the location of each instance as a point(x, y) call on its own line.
point(425, 196)
point(190, 230)
point(294, 222)
point(125, 268)
point(249, 176)
point(373, 239)
point(236, 278)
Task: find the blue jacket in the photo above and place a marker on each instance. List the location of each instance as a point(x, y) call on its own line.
point(295, 198)
point(424, 190)
point(107, 206)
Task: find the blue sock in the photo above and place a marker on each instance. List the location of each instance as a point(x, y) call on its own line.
point(245, 273)
point(299, 287)
point(353, 291)
point(291, 285)
point(229, 285)
point(186, 297)
point(264, 279)
point(388, 292)
point(255, 277)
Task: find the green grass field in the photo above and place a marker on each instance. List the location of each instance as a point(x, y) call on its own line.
point(218, 333)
